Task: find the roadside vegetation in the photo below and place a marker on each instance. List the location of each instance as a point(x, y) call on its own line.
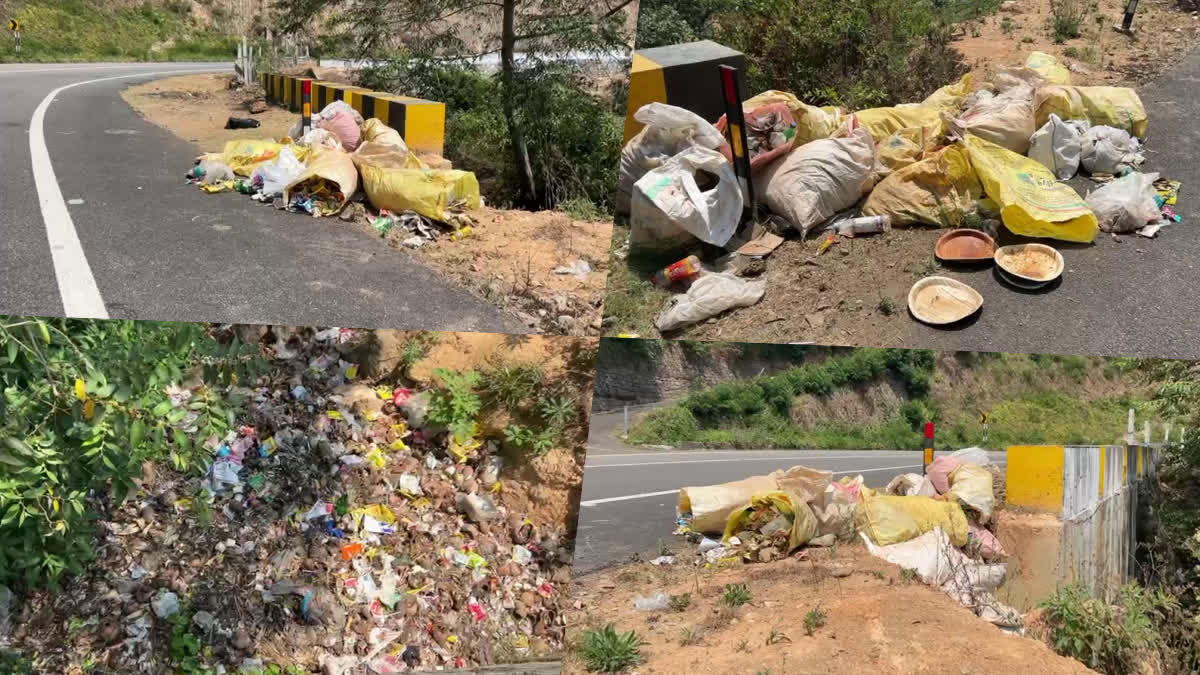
point(1028, 399)
point(91, 30)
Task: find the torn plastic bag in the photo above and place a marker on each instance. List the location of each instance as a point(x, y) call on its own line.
point(243, 157)
point(1057, 146)
point(1126, 204)
point(1109, 150)
point(939, 564)
point(802, 522)
point(971, 484)
point(984, 542)
point(909, 485)
point(329, 171)
point(770, 132)
point(321, 138)
point(812, 122)
point(939, 190)
point(279, 174)
point(1006, 120)
point(815, 181)
point(1118, 107)
point(1032, 201)
point(668, 131)
point(711, 505)
point(888, 519)
point(693, 195)
point(707, 297)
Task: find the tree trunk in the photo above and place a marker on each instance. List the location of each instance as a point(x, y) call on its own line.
point(508, 67)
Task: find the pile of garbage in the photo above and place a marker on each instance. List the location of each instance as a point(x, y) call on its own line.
point(967, 157)
point(349, 167)
point(336, 527)
point(937, 523)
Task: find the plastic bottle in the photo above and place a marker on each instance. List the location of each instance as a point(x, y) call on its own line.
point(677, 271)
point(864, 225)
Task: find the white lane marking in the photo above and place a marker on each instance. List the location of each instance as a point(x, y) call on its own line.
point(727, 459)
point(76, 285)
point(605, 500)
point(593, 502)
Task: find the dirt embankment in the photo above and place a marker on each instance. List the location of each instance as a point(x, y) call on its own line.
point(874, 621)
point(510, 258)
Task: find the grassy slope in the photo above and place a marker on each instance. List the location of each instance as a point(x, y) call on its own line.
point(88, 30)
point(1030, 399)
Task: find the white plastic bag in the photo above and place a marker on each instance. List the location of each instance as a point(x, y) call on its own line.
point(1126, 204)
point(1109, 150)
point(972, 455)
point(279, 174)
point(669, 130)
point(1006, 119)
point(329, 111)
point(670, 207)
point(911, 485)
point(1057, 146)
point(710, 295)
point(812, 183)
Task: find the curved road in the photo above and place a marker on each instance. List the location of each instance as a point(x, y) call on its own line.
point(629, 494)
point(97, 221)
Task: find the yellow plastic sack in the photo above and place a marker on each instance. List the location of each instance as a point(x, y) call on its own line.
point(1032, 202)
point(1048, 68)
point(804, 523)
point(246, 156)
point(1118, 107)
point(950, 98)
point(883, 122)
point(938, 190)
point(812, 122)
point(329, 171)
point(903, 148)
point(429, 192)
point(375, 131)
point(711, 505)
point(889, 519)
point(971, 484)
point(386, 156)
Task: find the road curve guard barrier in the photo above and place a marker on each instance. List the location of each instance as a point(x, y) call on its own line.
point(684, 75)
point(421, 123)
point(1089, 497)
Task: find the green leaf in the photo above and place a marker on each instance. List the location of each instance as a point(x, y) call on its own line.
point(12, 351)
point(162, 409)
point(137, 432)
point(45, 331)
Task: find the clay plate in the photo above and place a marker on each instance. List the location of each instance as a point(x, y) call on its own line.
point(941, 300)
point(1030, 263)
point(965, 245)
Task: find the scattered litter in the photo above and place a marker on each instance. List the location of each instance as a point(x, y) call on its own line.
point(1127, 204)
point(242, 123)
point(708, 296)
point(165, 604)
point(657, 602)
point(663, 560)
point(579, 269)
point(678, 271)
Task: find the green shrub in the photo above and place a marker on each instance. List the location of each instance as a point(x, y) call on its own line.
point(607, 651)
point(84, 404)
point(1108, 638)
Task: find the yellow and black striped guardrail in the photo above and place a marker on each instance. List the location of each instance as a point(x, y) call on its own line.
point(421, 123)
point(684, 75)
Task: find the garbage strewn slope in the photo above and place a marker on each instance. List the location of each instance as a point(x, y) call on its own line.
point(340, 527)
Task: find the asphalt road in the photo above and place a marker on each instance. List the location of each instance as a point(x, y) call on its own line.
point(1132, 297)
point(158, 248)
point(628, 502)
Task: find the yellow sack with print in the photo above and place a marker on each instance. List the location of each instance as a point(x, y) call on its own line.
point(883, 122)
point(950, 98)
point(803, 522)
point(1032, 201)
point(246, 156)
point(1118, 107)
point(429, 192)
point(903, 148)
point(890, 519)
point(1048, 68)
point(938, 190)
point(812, 122)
